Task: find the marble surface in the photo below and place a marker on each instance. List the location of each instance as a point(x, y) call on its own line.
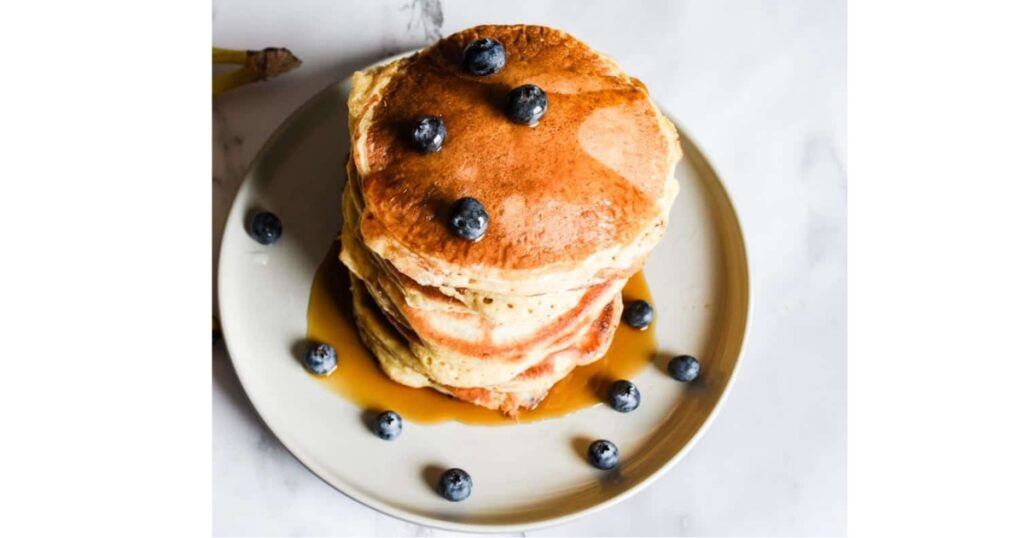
point(761, 85)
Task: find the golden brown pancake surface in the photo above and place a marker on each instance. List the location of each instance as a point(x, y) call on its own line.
point(585, 178)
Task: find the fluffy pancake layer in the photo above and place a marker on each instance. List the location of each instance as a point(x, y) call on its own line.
point(576, 204)
point(523, 391)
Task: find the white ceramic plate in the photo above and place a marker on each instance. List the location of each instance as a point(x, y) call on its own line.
point(525, 476)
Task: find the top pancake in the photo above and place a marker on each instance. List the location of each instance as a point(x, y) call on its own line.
point(581, 197)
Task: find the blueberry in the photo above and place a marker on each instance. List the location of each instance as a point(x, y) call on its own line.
point(603, 454)
point(639, 314)
point(388, 425)
point(266, 228)
point(684, 368)
point(624, 396)
point(484, 57)
point(526, 104)
point(428, 134)
point(321, 359)
point(469, 219)
point(455, 485)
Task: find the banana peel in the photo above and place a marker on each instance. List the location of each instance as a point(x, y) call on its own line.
point(257, 65)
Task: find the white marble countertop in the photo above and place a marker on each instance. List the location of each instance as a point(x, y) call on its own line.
point(761, 86)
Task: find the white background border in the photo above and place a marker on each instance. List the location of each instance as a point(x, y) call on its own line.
point(106, 282)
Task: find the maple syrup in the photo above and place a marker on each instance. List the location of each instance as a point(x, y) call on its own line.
point(359, 379)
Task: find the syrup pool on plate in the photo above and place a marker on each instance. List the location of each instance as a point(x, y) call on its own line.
point(359, 379)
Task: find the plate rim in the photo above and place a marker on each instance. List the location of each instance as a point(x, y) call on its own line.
point(441, 524)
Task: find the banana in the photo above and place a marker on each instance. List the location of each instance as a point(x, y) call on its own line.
point(229, 56)
point(256, 65)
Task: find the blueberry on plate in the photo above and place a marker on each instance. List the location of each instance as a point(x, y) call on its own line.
point(684, 368)
point(468, 219)
point(526, 104)
point(428, 134)
point(484, 57)
point(639, 314)
point(321, 359)
point(266, 228)
point(388, 425)
point(455, 485)
point(624, 396)
point(603, 454)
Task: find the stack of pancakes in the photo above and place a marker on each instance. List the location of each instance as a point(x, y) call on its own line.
point(576, 203)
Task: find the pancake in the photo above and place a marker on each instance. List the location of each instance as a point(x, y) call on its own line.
point(582, 197)
point(524, 391)
point(576, 203)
